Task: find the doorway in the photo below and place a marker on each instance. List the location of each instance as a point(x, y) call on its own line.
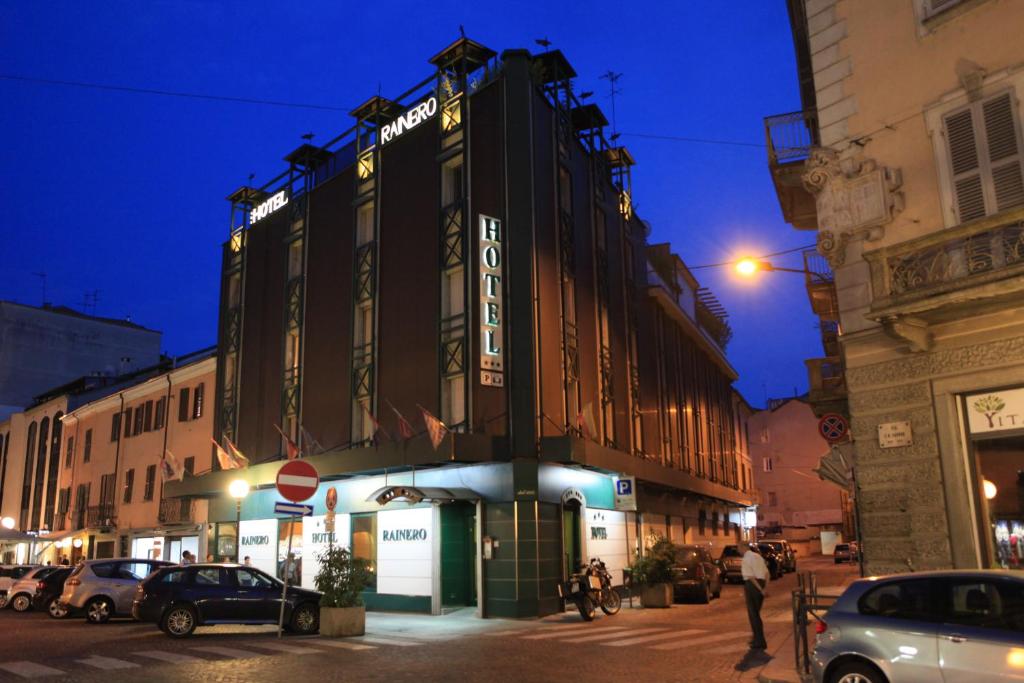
point(572, 556)
point(458, 554)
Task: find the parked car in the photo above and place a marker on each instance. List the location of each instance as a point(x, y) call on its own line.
point(927, 626)
point(9, 573)
point(845, 552)
point(19, 595)
point(105, 588)
point(772, 559)
point(786, 554)
point(181, 598)
point(731, 563)
point(695, 573)
point(48, 590)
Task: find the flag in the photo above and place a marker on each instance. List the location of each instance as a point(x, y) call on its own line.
point(585, 421)
point(309, 442)
point(170, 468)
point(435, 427)
point(377, 429)
point(230, 461)
point(405, 429)
point(290, 446)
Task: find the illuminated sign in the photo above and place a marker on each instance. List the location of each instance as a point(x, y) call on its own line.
point(255, 540)
point(409, 120)
point(261, 211)
point(405, 535)
point(492, 303)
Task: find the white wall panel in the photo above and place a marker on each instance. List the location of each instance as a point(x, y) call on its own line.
point(405, 551)
point(606, 539)
point(315, 542)
point(259, 541)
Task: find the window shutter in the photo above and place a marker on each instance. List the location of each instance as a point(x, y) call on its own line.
point(963, 153)
point(1003, 152)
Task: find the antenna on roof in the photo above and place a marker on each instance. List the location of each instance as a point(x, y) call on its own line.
point(42, 278)
point(462, 31)
point(612, 79)
point(308, 137)
point(543, 42)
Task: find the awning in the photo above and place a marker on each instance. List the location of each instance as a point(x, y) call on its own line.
point(12, 536)
point(417, 494)
point(60, 535)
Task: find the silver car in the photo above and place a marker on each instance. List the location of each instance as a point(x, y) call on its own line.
point(934, 627)
point(21, 592)
point(105, 588)
point(9, 573)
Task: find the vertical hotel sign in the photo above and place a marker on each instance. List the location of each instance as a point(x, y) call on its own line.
point(492, 303)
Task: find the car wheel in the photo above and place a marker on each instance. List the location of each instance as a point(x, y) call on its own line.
point(705, 595)
point(21, 603)
point(3, 601)
point(56, 610)
point(98, 611)
point(179, 622)
point(857, 672)
point(305, 620)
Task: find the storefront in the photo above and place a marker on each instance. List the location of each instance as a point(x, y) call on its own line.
point(994, 454)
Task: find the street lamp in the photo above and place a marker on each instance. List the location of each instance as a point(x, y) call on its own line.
point(748, 266)
point(238, 489)
point(7, 522)
point(990, 489)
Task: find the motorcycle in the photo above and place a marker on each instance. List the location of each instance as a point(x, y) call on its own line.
point(591, 588)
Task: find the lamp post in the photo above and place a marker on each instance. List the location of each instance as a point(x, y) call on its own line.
point(238, 489)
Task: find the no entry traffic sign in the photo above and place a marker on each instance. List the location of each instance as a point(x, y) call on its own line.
point(297, 480)
point(833, 427)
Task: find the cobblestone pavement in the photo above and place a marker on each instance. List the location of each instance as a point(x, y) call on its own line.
point(687, 642)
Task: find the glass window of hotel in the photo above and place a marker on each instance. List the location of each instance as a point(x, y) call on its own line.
point(197, 400)
point(364, 224)
point(129, 481)
point(115, 426)
point(69, 454)
point(225, 547)
point(364, 542)
point(87, 448)
point(294, 259)
point(998, 466)
point(160, 413)
point(453, 293)
point(291, 351)
point(150, 482)
point(453, 406)
point(183, 404)
point(451, 180)
point(363, 333)
point(984, 150)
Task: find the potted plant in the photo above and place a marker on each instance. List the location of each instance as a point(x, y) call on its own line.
point(341, 580)
point(652, 572)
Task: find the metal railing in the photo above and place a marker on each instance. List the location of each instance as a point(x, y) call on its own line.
point(177, 510)
point(825, 374)
point(809, 607)
point(791, 136)
point(100, 515)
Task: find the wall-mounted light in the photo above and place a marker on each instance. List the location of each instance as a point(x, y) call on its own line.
point(7, 522)
point(989, 488)
point(77, 543)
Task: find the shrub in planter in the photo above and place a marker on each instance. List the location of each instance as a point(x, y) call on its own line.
point(341, 579)
point(652, 573)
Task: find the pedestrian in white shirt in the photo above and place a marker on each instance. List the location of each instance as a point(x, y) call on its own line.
point(755, 582)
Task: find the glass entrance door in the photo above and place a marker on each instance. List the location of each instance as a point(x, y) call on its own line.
point(458, 555)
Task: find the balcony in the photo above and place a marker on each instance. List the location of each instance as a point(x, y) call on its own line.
point(100, 516)
point(177, 511)
point(821, 288)
point(971, 268)
point(790, 138)
point(827, 382)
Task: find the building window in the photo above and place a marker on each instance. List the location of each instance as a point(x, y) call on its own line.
point(139, 418)
point(714, 523)
point(772, 500)
point(129, 481)
point(69, 455)
point(183, 405)
point(115, 426)
point(87, 449)
point(767, 464)
point(197, 401)
point(983, 143)
point(364, 224)
point(702, 522)
point(190, 465)
point(453, 400)
point(150, 482)
point(160, 413)
point(127, 422)
point(451, 181)
point(295, 258)
point(107, 484)
point(147, 423)
point(26, 482)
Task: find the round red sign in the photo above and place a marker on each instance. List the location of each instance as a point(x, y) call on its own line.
point(332, 498)
point(833, 427)
point(297, 480)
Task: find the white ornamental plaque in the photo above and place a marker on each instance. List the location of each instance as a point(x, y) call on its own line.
point(895, 434)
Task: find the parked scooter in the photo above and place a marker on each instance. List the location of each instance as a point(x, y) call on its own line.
point(591, 588)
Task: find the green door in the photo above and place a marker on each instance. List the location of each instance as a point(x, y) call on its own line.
point(570, 539)
point(458, 555)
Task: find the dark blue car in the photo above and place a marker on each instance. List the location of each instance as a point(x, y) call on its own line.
point(180, 598)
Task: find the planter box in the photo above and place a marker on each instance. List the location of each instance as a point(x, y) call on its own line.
point(342, 621)
point(658, 595)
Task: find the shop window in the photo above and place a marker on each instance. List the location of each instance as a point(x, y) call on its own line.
point(150, 482)
point(226, 543)
point(197, 401)
point(999, 473)
point(183, 404)
point(129, 481)
point(87, 448)
point(364, 542)
point(115, 426)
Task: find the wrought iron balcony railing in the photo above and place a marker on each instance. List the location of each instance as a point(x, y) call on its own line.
point(100, 516)
point(791, 136)
point(177, 510)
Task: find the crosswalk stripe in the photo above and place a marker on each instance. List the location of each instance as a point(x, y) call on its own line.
point(699, 641)
point(345, 645)
point(29, 669)
point(108, 663)
point(234, 653)
point(561, 634)
point(542, 626)
point(655, 638)
point(609, 636)
point(388, 641)
point(164, 656)
point(282, 647)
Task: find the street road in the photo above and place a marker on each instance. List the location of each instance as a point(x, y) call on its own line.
point(688, 642)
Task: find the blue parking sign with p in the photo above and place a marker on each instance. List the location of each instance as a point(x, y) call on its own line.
point(624, 487)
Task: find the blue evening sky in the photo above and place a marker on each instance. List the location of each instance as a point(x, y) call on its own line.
point(124, 193)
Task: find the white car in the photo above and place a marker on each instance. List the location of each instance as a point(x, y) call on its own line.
point(21, 592)
point(105, 588)
point(9, 573)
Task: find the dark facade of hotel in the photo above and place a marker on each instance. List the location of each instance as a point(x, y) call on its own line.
point(470, 248)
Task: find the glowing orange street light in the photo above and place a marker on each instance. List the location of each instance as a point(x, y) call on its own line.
point(748, 266)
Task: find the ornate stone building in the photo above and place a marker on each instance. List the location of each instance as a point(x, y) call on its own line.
point(906, 160)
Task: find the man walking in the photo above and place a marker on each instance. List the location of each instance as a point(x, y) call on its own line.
point(755, 581)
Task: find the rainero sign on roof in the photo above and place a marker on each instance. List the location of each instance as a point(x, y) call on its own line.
point(409, 120)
